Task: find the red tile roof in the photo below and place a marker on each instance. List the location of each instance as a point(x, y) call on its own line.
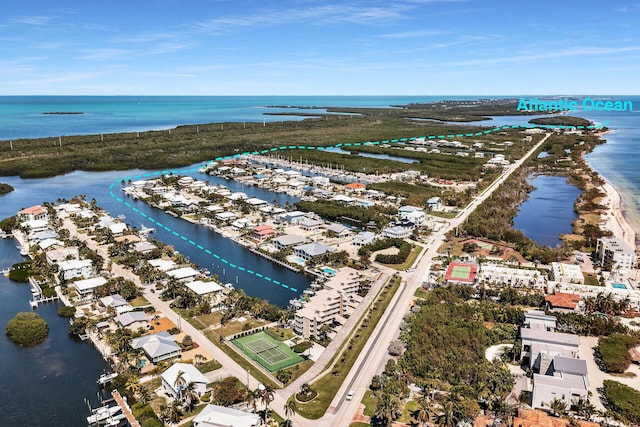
point(563, 300)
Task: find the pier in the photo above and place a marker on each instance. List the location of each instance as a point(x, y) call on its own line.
point(125, 409)
point(36, 301)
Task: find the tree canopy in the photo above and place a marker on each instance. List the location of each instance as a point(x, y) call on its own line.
point(27, 329)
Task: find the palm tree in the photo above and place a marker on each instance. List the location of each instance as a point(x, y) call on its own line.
point(133, 385)
point(558, 406)
point(252, 399)
point(164, 414)
point(424, 413)
point(199, 359)
point(190, 396)
point(179, 384)
point(447, 417)
point(266, 396)
point(387, 408)
point(175, 412)
point(289, 409)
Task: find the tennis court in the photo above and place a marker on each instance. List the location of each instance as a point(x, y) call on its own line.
point(461, 273)
point(267, 351)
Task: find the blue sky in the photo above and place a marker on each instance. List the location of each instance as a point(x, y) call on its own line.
point(301, 47)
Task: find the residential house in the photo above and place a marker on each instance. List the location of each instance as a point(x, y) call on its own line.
point(309, 224)
point(263, 232)
point(33, 213)
point(538, 345)
point(210, 290)
point(339, 230)
point(133, 320)
point(287, 241)
point(181, 375)
point(434, 204)
point(73, 269)
point(158, 347)
point(184, 274)
point(397, 232)
point(562, 302)
point(310, 250)
point(221, 416)
point(85, 287)
point(56, 255)
point(363, 238)
point(412, 214)
point(565, 379)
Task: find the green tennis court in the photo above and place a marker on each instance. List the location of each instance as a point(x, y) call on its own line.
point(460, 272)
point(267, 351)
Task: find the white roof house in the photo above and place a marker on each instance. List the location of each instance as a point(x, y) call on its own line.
point(339, 229)
point(310, 250)
point(117, 228)
point(158, 346)
point(568, 273)
point(204, 288)
point(114, 301)
point(162, 264)
point(75, 268)
point(133, 320)
point(397, 232)
point(184, 274)
point(363, 238)
point(221, 416)
point(288, 240)
point(86, 286)
point(179, 376)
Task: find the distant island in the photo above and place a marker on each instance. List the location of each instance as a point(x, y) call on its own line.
point(561, 121)
point(5, 188)
point(63, 112)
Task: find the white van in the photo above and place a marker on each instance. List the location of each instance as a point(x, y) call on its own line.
point(350, 394)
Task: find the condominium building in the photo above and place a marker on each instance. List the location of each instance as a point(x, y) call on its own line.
point(616, 253)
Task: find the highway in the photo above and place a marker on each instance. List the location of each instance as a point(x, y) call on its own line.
point(375, 353)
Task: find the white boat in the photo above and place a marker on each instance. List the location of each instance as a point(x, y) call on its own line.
point(106, 378)
point(145, 231)
point(102, 414)
point(295, 303)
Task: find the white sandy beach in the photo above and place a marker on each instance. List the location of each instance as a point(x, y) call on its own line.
point(615, 219)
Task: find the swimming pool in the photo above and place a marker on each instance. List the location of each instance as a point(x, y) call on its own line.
point(618, 286)
point(299, 260)
point(328, 271)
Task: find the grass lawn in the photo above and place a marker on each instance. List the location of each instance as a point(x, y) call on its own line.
point(421, 293)
point(369, 403)
point(410, 259)
point(210, 319)
point(193, 413)
point(359, 424)
point(153, 384)
point(138, 302)
point(328, 385)
point(590, 279)
point(408, 408)
point(299, 369)
point(447, 215)
point(234, 327)
point(209, 366)
point(281, 334)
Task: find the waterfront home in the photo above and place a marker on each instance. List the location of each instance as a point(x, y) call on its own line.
point(339, 230)
point(413, 214)
point(255, 202)
point(226, 216)
point(565, 379)
point(179, 376)
point(33, 213)
point(73, 269)
point(116, 302)
point(210, 290)
point(241, 224)
point(357, 187)
point(55, 255)
point(144, 247)
point(35, 225)
point(288, 241)
point(309, 224)
point(35, 237)
point(117, 228)
point(184, 274)
point(320, 181)
point(313, 249)
point(162, 264)
point(133, 320)
point(158, 347)
point(85, 287)
point(434, 204)
point(293, 217)
point(49, 243)
point(363, 238)
point(397, 232)
point(263, 232)
point(221, 416)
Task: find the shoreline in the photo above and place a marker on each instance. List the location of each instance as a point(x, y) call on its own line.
point(616, 217)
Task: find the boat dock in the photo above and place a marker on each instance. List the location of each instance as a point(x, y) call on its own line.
point(36, 301)
point(125, 409)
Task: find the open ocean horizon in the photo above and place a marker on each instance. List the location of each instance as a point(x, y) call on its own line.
point(23, 117)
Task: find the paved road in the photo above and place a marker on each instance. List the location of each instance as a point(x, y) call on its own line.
point(367, 365)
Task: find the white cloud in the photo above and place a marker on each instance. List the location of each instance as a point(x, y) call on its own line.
point(32, 20)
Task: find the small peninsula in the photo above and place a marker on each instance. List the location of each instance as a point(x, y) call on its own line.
point(63, 112)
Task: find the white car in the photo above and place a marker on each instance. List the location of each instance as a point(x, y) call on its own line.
point(350, 394)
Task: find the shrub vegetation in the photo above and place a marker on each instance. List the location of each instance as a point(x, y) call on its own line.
point(623, 400)
point(27, 329)
point(614, 352)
